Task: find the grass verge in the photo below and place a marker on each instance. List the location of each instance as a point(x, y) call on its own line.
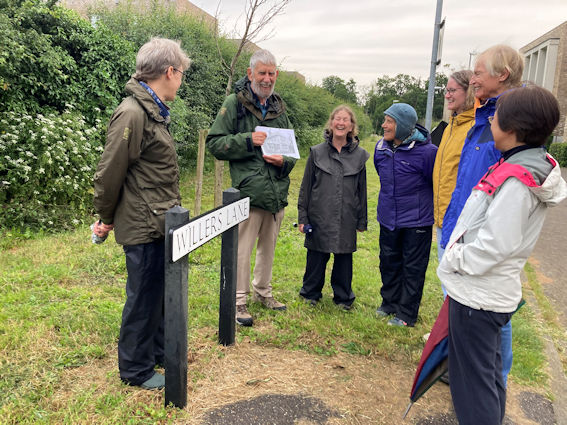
point(61, 299)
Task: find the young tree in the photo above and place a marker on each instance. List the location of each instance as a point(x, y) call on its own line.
point(258, 14)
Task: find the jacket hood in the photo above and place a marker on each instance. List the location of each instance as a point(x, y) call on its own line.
point(352, 142)
point(242, 84)
point(546, 171)
point(554, 189)
point(420, 135)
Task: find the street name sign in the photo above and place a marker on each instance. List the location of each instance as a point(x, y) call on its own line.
point(204, 228)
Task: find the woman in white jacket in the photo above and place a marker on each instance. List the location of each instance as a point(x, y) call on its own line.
point(489, 246)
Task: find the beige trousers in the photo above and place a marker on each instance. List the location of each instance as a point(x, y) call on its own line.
point(263, 226)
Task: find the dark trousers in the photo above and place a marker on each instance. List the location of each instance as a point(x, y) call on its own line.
point(341, 277)
point(475, 364)
point(404, 256)
point(141, 343)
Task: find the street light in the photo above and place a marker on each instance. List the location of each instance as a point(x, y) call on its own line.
point(471, 54)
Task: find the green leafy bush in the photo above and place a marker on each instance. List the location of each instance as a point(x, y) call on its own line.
point(200, 97)
point(52, 57)
point(559, 152)
point(46, 170)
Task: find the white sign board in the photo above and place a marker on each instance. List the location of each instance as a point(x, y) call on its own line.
point(202, 229)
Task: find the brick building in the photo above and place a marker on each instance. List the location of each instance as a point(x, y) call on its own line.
point(546, 65)
point(181, 6)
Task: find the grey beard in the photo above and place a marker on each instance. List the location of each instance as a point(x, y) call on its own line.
point(257, 89)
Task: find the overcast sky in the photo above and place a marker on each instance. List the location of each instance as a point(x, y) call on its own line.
point(365, 39)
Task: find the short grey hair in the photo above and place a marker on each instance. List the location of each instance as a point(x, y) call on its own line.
point(156, 56)
point(262, 56)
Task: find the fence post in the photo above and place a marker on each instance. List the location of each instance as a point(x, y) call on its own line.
point(175, 312)
point(219, 173)
point(229, 258)
point(200, 166)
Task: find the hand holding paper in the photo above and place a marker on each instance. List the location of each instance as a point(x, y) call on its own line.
point(279, 141)
point(276, 160)
point(258, 138)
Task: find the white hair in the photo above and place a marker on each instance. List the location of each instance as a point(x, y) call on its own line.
point(262, 56)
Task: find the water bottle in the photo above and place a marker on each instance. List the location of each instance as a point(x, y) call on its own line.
point(96, 238)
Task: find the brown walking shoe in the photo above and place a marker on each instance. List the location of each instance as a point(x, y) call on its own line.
point(269, 302)
point(243, 318)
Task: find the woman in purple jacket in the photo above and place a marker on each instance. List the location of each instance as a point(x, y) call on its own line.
point(404, 161)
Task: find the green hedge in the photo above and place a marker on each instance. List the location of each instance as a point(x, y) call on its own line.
point(559, 152)
point(61, 77)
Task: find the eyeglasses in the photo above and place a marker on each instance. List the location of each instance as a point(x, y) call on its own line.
point(181, 72)
point(451, 91)
point(490, 119)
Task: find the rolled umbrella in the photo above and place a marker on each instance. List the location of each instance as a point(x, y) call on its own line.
point(433, 363)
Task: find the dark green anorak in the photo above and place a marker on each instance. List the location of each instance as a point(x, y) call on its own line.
point(137, 178)
point(230, 139)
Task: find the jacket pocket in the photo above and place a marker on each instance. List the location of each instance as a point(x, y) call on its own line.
point(156, 216)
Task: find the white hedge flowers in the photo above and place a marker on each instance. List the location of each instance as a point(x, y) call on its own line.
point(47, 170)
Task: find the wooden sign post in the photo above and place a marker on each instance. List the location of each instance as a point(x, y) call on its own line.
point(181, 237)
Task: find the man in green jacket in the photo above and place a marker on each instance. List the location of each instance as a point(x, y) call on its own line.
point(136, 182)
point(263, 178)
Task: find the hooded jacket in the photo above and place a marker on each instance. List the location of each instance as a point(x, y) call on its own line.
point(332, 197)
point(230, 139)
point(477, 155)
point(137, 178)
point(447, 162)
point(406, 191)
point(497, 230)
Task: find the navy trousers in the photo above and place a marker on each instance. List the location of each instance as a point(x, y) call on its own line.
point(475, 364)
point(341, 276)
point(141, 343)
point(404, 256)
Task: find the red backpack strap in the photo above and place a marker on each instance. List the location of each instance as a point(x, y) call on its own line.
point(502, 171)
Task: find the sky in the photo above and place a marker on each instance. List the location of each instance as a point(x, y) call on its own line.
point(366, 39)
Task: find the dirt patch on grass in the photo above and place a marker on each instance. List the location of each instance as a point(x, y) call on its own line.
point(345, 389)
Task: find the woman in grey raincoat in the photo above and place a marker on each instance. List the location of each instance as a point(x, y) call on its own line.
point(332, 207)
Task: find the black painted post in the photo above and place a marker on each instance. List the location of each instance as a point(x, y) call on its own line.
point(229, 255)
point(175, 311)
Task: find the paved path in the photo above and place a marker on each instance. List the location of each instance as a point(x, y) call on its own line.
point(550, 257)
point(550, 261)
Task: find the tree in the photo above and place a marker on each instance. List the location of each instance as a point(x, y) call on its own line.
point(337, 87)
point(256, 22)
point(401, 88)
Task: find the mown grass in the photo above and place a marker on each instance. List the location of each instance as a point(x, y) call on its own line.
point(61, 299)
